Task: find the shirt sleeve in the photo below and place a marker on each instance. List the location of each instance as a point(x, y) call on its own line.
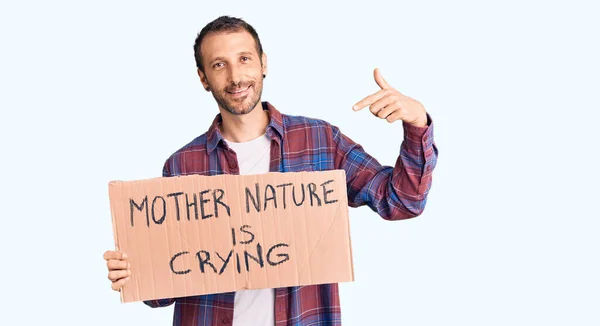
point(394, 192)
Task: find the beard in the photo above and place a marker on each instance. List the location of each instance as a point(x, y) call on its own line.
point(242, 105)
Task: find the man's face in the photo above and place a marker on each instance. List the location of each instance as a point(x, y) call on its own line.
point(233, 70)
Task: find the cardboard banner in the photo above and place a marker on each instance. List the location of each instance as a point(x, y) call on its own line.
point(193, 235)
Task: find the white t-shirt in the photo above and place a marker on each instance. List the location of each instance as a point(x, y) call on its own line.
point(253, 307)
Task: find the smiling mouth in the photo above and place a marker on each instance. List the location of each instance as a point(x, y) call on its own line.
point(239, 92)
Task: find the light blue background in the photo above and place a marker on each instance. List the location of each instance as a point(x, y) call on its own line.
point(105, 90)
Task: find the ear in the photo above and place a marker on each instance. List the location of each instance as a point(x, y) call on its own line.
point(264, 63)
point(203, 80)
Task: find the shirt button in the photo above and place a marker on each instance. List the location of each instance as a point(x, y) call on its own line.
point(232, 164)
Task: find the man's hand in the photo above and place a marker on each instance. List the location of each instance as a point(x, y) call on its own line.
point(118, 269)
point(391, 105)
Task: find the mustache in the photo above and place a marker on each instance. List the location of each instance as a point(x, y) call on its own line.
point(237, 86)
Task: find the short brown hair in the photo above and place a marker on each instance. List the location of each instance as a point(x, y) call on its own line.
point(224, 24)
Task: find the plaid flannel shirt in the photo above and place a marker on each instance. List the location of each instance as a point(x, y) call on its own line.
point(306, 144)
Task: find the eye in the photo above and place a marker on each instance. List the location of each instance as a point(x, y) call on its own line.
point(245, 58)
point(218, 65)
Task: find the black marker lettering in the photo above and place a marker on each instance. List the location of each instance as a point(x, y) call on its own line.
point(273, 197)
point(287, 257)
point(312, 192)
point(164, 212)
point(258, 259)
point(218, 201)
point(206, 260)
point(194, 203)
point(325, 192)
point(255, 200)
point(173, 259)
point(175, 195)
point(294, 195)
point(140, 207)
point(242, 228)
point(233, 235)
point(283, 186)
point(202, 201)
point(225, 261)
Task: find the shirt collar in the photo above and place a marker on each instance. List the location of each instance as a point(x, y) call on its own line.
point(214, 136)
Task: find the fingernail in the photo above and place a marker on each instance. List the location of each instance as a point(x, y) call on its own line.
point(124, 256)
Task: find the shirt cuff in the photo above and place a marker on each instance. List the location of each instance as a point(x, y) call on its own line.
point(420, 137)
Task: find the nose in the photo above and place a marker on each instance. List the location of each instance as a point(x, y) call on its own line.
point(235, 74)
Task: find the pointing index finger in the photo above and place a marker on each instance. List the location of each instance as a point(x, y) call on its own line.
point(369, 100)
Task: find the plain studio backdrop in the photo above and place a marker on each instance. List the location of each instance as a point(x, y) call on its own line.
point(99, 91)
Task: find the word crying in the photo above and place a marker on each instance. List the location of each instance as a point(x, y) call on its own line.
point(218, 263)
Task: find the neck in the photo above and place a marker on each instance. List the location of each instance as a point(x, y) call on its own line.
point(241, 128)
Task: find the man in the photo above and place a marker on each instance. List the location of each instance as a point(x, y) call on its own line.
point(252, 137)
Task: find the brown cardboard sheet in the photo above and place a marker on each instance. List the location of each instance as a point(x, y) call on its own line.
point(194, 235)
